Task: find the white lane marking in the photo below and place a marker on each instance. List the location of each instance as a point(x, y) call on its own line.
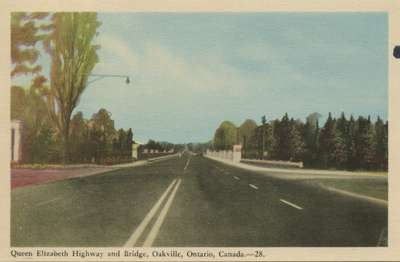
point(291, 204)
point(235, 177)
point(187, 164)
point(253, 186)
point(157, 225)
point(139, 230)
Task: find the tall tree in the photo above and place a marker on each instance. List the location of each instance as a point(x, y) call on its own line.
point(129, 139)
point(102, 133)
point(246, 131)
point(122, 141)
point(340, 153)
point(73, 57)
point(364, 143)
point(282, 137)
point(351, 144)
point(381, 146)
point(310, 135)
point(327, 142)
point(225, 136)
point(296, 144)
point(263, 120)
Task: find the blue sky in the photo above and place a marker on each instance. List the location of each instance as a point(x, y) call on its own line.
point(189, 72)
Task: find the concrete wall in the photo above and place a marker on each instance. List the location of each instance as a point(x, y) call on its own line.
point(234, 155)
point(273, 163)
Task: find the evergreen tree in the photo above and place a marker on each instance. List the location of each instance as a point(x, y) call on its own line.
point(342, 124)
point(296, 144)
point(122, 138)
point(351, 144)
point(268, 138)
point(310, 138)
point(341, 139)
point(316, 145)
point(129, 137)
point(381, 147)
point(340, 151)
point(263, 120)
point(364, 143)
point(282, 146)
point(327, 142)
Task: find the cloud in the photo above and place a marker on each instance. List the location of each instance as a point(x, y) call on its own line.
point(118, 53)
point(156, 66)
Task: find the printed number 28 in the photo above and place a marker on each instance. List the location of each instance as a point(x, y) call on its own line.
point(259, 253)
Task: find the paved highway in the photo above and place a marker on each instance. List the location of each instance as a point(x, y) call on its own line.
point(190, 201)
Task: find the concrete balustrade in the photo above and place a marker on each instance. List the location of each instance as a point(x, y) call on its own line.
point(234, 155)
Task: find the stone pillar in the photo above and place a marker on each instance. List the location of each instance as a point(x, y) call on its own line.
point(237, 153)
point(16, 128)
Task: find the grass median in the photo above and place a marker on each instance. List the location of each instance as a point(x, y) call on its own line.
point(370, 188)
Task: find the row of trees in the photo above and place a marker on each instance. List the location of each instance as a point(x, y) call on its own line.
point(159, 146)
point(97, 140)
point(67, 38)
point(340, 143)
point(92, 140)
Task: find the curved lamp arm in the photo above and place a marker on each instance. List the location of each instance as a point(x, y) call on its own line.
point(101, 76)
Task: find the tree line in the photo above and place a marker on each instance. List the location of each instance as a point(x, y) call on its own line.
point(159, 145)
point(340, 143)
point(93, 140)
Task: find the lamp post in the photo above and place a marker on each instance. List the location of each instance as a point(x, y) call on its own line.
point(101, 76)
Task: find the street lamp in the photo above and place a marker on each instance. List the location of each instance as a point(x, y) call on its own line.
point(101, 76)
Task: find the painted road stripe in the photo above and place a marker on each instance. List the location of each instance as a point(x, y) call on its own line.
point(138, 232)
point(253, 186)
point(235, 177)
point(157, 225)
point(187, 164)
point(291, 204)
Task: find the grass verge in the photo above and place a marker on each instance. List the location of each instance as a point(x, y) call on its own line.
point(370, 188)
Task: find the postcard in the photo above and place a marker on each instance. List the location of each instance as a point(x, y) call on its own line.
point(200, 131)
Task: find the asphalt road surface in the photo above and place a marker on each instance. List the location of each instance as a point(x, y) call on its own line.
point(190, 201)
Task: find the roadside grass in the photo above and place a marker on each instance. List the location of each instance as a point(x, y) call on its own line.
point(50, 166)
point(37, 166)
point(370, 188)
point(355, 172)
point(377, 173)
